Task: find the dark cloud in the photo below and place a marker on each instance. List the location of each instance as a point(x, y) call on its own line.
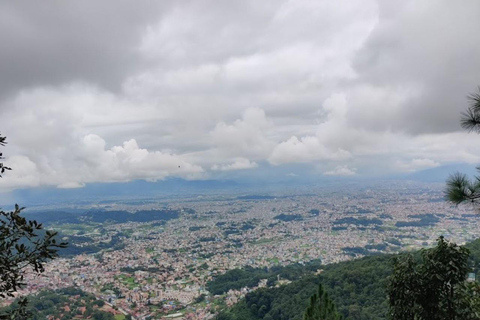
point(233, 85)
point(427, 52)
point(53, 42)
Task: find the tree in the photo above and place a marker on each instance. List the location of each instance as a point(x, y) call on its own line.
point(435, 289)
point(24, 244)
point(321, 307)
point(2, 167)
point(402, 286)
point(102, 315)
point(459, 187)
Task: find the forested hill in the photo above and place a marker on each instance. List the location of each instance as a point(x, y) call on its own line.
point(357, 287)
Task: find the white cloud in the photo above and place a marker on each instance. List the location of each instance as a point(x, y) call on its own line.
point(89, 161)
point(423, 48)
point(71, 185)
point(239, 164)
point(24, 174)
point(341, 171)
point(306, 149)
point(371, 85)
point(246, 137)
point(129, 161)
point(416, 164)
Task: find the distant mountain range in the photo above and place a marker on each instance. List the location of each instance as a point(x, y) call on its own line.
point(274, 179)
point(174, 187)
point(441, 174)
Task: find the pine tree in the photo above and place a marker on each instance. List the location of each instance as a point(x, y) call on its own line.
point(321, 307)
point(459, 187)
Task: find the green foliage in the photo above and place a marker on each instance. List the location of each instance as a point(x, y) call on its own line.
point(426, 220)
point(289, 217)
point(48, 302)
point(73, 249)
point(474, 259)
point(321, 307)
point(435, 289)
point(2, 167)
point(401, 287)
point(459, 187)
point(20, 247)
point(23, 244)
point(471, 118)
point(249, 277)
point(356, 287)
point(236, 279)
point(200, 298)
point(101, 315)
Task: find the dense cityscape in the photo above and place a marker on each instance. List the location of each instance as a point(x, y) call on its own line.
point(161, 268)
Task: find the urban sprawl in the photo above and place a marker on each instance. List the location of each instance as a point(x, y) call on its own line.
point(162, 267)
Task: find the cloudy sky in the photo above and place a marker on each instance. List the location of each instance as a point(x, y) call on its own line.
point(115, 90)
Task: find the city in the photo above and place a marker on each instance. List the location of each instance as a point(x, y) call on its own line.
point(163, 268)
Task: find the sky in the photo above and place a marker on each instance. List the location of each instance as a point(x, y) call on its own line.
point(116, 91)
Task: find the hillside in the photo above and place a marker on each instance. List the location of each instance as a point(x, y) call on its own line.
point(357, 287)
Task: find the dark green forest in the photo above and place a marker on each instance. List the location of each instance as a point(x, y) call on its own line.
point(357, 287)
point(249, 277)
point(102, 216)
point(68, 303)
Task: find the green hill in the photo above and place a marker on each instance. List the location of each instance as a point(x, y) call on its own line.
point(357, 288)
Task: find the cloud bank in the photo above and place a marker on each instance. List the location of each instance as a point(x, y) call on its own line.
point(195, 89)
